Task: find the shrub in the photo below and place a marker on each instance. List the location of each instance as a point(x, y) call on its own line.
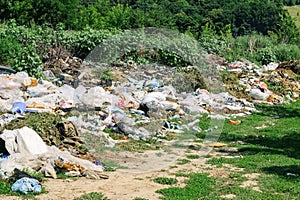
point(27, 60)
point(266, 55)
point(286, 52)
point(9, 48)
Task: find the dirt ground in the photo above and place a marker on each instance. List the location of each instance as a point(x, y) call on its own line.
point(135, 179)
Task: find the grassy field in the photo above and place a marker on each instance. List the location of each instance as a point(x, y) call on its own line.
point(269, 148)
point(295, 13)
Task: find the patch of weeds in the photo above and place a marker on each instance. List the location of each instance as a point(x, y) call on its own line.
point(207, 156)
point(249, 193)
point(112, 166)
point(198, 186)
point(114, 135)
point(198, 140)
point(178, 145)
point(215, 161)
point(43, 123)
point(287, 185)
point(104, 74)
point(168, 150)
point(92, 196)
point(139, 198)
point(65, 176)
point(136, 146)
point(181, 173)
point(36, 175)
point(172, 167)
point(168, 136)
point(183, 161)
point(237, 177)
point(192, 156)
point(200, 134)
point(188, 151)
point(204, 122)
point(159, 154)
point(165, 180)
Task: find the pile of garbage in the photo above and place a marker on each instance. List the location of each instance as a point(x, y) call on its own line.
point(272, 83)
point(141, 102)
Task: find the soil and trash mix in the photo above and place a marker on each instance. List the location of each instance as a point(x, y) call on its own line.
point(42, 121)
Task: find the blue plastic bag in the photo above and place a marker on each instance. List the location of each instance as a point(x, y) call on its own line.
point(19, 107)
point(25, 185)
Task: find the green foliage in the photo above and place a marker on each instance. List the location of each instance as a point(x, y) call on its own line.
point(198, 186)
point(92, 196)
point(136, 146)
point(286, 52)
point(27, 60)
point(80, 43)
point(186, 16)
point(192, 156)
point(165, 180)
point(103, 73)
point(34, 174)
point(9, 48)
point(5, 187)
point(23, 44)
point(294, 11)
point(183, 161)
point(265, 55)
point(213, 43)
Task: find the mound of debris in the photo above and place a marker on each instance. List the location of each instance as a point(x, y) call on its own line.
point(140, 102)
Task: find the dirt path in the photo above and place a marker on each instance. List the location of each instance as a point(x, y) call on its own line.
point(134, 181)
point(126, 184)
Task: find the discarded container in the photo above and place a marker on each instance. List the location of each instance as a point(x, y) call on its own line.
point(237, 122)
point(138, 112)
point(19, 107)
point(25, 185)
point(217, 144)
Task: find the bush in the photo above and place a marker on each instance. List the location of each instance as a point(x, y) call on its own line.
point(27, 60)
point(9, 48)
point(286, 52)
point(265, 55)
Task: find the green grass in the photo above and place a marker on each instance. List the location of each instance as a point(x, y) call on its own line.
point(183, 161)
point(137, 146)
point(165, 180)
point(65, 176)
point(192, 156)
point(92, 196)
point(295, 13)
point(198, 186)
point(112, 166)
point(271, 149)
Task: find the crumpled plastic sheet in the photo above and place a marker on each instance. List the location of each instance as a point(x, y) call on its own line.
point(25, 185)
point(3, 174)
